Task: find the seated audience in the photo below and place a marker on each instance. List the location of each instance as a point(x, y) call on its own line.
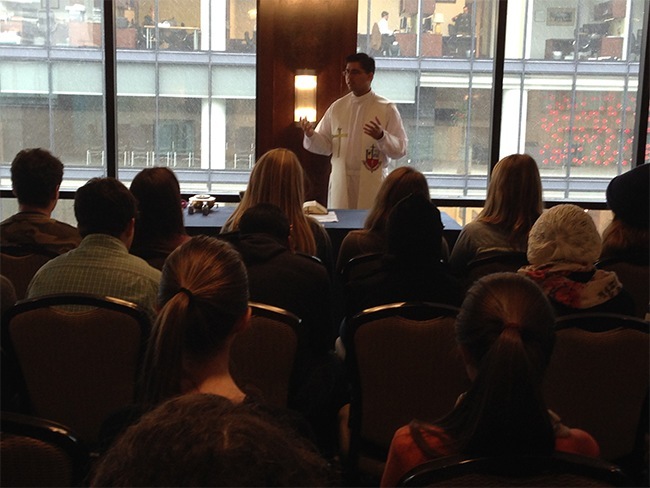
point(35, 177)
point(628, 196)
point(563, 246)
point(105, 210)
point(506, 336)
point(513, 204)
point(159, 226)
point(202, 304)
point(400, 183)
point(278, 178)
point(626, 240)
point(413, 268)
point(276, 276)
point(300, 284)
point(206, 440)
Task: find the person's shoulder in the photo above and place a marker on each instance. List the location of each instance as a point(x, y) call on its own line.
point(381, 100)
point(344, 100)
point(403, 435)
point(309, 263)
point(577, 441)
point(317, 228)
point(8, 221)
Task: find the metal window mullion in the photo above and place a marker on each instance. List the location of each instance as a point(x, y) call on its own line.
point(643, 95)
point(497, 90)
point(110, 89)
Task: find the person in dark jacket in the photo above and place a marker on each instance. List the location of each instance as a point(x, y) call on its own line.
point(300, 284)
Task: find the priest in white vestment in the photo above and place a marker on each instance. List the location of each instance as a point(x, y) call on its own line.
point(363, 132)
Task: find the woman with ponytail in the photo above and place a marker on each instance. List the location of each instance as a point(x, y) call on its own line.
point(505, 334)
point(203, 303)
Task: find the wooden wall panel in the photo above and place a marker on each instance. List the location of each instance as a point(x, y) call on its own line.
point(300, 34)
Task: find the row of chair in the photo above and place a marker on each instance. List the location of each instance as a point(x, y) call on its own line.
point(38, 452)
point(405, 365)
point(79, 367)
point(77, 357)
point(633, 271)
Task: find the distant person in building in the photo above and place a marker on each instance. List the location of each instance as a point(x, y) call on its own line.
point(463, 21)
point(363, 133)
point(387, 35)
point(35, 177)
point(105, 210)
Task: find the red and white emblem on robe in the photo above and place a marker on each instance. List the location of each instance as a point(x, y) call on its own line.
point(372, 158)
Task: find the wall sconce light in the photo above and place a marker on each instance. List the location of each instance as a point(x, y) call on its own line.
point(305, 85)
point(439, 19)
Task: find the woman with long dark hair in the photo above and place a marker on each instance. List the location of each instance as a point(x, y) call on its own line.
point(505, 334)
point(400, 183)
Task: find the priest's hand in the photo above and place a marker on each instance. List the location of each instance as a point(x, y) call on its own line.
point(307, 127)
point(374, 129)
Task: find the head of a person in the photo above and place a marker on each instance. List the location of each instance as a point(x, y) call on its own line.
point(277, 177)
point(505, 330)
point(399, 183)
point(205, 440)
point(104, 206)
point(564, 233)
point(514, 196)
point(414, 231)
point(159, 203)
point(627, 197)
point(359, 73)
point(384, 14)
point(202, 303)
point(35, 177)
point(266, 218)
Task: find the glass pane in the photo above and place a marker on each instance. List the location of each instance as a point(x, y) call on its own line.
point(49, 96)
point(426, 28)
point(444, 97)
point(194, 115)
point(584, 30)
point(570, 90)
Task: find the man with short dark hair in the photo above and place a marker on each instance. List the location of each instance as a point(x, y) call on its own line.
point(101, 265)
point(35, 177)
point(362, 132)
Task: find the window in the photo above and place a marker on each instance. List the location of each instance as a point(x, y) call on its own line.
point(568, 96)
point(185, 88)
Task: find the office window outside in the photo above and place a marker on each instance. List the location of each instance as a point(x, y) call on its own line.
point(185, 83)
point(189, 101)
point(569, 88)
point(576, 89)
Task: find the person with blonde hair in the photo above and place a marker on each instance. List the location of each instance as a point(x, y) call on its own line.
point(278, 178)
point(505, 333)
point(513, 204)
point(202, 305)
point(400, 183)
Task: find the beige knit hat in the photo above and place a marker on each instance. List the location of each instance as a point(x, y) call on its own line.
point(564, 233)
